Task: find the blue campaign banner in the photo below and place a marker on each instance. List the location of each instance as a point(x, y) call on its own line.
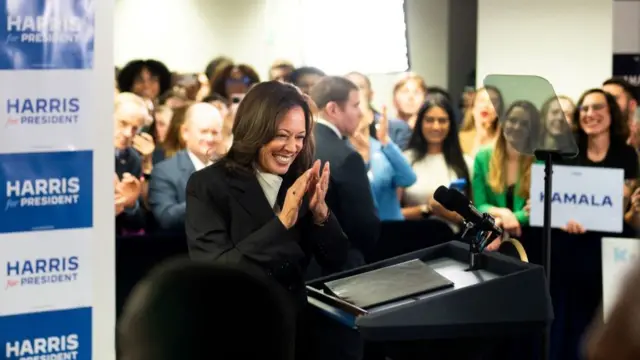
point(46, 191)
point(43, 34)
point(64, 334)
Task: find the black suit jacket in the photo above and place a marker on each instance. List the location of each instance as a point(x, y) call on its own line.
point(229, 220)
point(128, 161)
point(349, 195)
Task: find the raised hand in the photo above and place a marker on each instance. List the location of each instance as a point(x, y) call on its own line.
point(144, 144)
point(318, 187)
point(360, 142)
point(120, 204)
point(382, 127)
point(292, 202)
point(129, 188)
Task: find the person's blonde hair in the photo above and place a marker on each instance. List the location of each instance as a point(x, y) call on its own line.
point(497, 178)
point(130, 98)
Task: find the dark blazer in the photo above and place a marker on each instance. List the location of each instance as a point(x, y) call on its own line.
point(128, 161)
point(349, 195)
point(229, 220)
point(167, 197)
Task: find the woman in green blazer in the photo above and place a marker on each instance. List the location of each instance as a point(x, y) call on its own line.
point(501, 181)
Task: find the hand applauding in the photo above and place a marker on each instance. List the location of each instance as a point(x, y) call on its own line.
point(319, 183)
point(382, 127)
point(127, 190)
point(310, 181)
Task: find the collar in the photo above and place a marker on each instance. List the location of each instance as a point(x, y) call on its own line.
point(197, 163)
point(270, 185)
point(330, 126)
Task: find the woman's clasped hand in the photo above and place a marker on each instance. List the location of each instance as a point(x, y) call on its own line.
point(315, 184)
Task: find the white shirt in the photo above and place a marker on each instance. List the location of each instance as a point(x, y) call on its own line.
point(270, 185)
point(330, 126)
point(197, 163)
point(432, 171)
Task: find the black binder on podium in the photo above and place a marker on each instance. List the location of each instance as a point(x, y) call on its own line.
point(503, 296)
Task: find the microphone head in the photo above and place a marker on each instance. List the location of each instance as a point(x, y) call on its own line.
point(457, 199)
point(442, 195)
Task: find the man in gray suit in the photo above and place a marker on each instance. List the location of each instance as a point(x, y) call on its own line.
point(202, 133)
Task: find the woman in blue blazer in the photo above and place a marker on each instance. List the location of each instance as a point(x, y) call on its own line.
point(387, 167)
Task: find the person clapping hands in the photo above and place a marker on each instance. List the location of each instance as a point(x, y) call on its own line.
point(310, 183)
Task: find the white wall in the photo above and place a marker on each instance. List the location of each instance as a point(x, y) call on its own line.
point(626, 27)
point(187, 34)
point(571, 45)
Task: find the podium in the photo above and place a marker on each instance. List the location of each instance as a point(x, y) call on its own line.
point(503, 298)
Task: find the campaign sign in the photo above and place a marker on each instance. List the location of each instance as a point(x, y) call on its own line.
point(64, 334)
point(40, 34)
point(44, 119)
point(46, 191)
point(38, 274)
point(619, 255)
point(578, 195)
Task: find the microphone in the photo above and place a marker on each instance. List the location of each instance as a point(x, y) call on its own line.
point(454, 200)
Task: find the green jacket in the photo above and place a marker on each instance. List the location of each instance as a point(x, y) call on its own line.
point(484, 198)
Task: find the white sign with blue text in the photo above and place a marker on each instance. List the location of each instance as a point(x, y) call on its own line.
point(593, 197)
point(57, 240)
point(619, 255)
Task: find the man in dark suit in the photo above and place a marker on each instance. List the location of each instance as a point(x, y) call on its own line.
point(349, 195)
point(130, 113)
point(202, 133)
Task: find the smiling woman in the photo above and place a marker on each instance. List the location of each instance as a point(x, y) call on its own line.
point(262, 207)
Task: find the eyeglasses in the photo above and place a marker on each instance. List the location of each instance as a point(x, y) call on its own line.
point(594, 107)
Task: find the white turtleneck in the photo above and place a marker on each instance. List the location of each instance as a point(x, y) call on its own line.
point(270, 185)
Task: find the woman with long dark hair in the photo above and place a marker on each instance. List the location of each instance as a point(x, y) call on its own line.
point(436, 157)
point(262, 207)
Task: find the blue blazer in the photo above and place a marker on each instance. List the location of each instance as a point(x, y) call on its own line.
point(167, 198)
point(388, 171)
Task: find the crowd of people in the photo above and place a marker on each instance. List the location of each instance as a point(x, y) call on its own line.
point(170, 125)
point(353, 165)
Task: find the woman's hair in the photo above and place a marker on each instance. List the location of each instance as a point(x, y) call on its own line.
point(127, 75)
point(497, 165)
point(174, 142)
point(256, 124)
point(469, 123)
point(223, 74)
point(215, 65)
point(618, 131)
point(451, 149)
point(497, 178)
point(173, 93)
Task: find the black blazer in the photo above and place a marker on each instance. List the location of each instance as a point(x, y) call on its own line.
point(349, 195)
point(128, 161)
point(229, 220)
